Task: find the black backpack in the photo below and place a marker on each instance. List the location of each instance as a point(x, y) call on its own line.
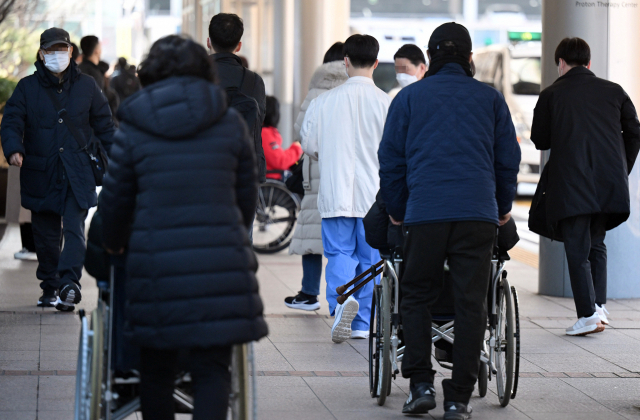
point(247, 106)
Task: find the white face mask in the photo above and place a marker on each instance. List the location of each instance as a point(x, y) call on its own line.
point(57, 62)
point(405, 79)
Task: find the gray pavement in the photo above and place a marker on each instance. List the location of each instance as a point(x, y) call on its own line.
point(301, 374)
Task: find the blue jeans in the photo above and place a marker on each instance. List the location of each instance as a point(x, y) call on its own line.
point(349, 254)
point(311, 274)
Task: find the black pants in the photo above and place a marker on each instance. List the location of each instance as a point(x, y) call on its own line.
point(587, 260)
point(468, 247)
point(58, 266)
point(210, 378)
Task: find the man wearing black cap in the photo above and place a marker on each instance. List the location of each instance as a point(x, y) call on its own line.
point(57, 182)
point(449, 161)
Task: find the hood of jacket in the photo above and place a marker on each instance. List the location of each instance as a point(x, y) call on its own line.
point(328, 76)
point(175, 108)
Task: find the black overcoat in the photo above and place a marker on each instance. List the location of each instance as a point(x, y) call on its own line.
point(52, 155)
point(592, 129)
point(180, 194)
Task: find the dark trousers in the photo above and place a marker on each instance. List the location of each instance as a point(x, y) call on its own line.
point(468, 247)
point(210, 376)
point(59, 265)
point(587, 260)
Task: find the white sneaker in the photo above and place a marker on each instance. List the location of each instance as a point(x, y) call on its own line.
point(25, 255)
point(359, 334)
point(602, 313)
point(586, 325)
point(341, 330)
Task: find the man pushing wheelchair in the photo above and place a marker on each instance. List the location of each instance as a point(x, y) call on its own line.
point(449, 161)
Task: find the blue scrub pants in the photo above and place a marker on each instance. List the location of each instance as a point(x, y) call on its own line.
point(349, 255)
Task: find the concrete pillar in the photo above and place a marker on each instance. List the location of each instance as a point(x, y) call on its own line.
point(612, 30)
point(283, 65)
point(321, 24)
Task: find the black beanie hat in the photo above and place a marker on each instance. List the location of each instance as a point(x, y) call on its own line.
point(453, 32)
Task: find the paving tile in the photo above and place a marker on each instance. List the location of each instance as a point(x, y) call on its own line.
point(568, 416)
point(628, 361)
point(8, 318)
point(626, 389)
point(52, 387)
point(18, 393)
point(294, 415)
point(288, 398)
point(18, 344)
point(58, 364)
point(626, 408)
point(19, 415)
point(18, 365)
point(10, 355)
point(55, 415)
point(351, 394)
point(322, 356)
point(562, 363)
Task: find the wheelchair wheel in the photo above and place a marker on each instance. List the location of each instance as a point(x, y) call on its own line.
point(517, 314)
point(505, 343)
point(384, 367)
point(374, 350)
point(83, 371)
point(240, 402)
point(97, 361)
point(275, 220)
point(483, 378)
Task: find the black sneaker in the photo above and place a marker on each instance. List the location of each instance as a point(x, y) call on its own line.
point(48, 299)
point(456, 411)
point(302, 301)
point(422, 398)
point(69, 296)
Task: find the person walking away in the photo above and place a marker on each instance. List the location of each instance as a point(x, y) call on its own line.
point(343, 128)
point(179, 195)
point(91, 54)
point(410, 65)
point(592, 129)
point(75, 54)
point(124, 82)
point(307, 238)
point(57, 182)
point(278, 160)
point(225, 35)
point(449, 161)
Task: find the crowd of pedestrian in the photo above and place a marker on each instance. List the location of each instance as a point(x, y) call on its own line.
point(191, 133)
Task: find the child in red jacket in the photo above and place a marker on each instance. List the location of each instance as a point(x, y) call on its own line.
point(277, 158)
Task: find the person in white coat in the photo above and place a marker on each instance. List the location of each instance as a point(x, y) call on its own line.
point(307, 238)
point(343, 128)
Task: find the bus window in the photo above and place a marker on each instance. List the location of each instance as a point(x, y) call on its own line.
point(384, 76)
point(526, 75)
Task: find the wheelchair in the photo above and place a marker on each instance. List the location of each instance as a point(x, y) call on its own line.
point(500, 356)
point(276, 215)
point(107, 382)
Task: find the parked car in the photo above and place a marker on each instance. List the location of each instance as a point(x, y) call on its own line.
point(515, 71)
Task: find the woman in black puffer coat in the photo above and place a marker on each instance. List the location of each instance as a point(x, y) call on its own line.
point(180, 195)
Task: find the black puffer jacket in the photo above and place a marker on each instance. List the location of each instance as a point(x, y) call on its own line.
point(180, 193)
point(592, 129)
point(51, 154)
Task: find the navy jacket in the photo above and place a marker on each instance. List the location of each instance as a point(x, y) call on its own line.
point(180, 194)
point(449, 151)
point(51, 154)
